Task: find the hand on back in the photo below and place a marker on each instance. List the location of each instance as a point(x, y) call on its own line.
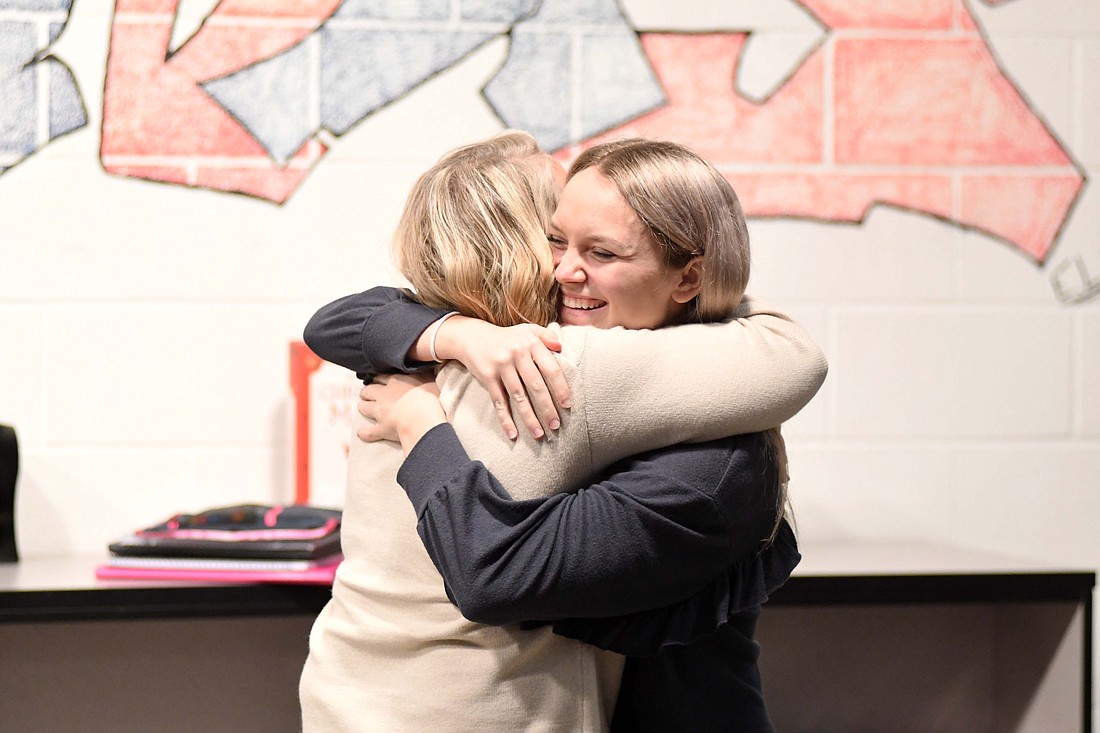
point(401, 407)
point(517, 366)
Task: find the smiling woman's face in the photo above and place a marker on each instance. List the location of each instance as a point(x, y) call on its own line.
point(609, 267)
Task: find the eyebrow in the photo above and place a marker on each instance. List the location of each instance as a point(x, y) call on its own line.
point(628, 249)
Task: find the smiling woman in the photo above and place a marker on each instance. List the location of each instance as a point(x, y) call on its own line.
point(609, 265)
point(647, 234)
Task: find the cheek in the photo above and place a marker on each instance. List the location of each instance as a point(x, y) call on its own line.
point(640, 296)
point(625, 292)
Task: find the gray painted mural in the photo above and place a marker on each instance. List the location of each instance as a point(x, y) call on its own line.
point(40, 99)
point(578, 63)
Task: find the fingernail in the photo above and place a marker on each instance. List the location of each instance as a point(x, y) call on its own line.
point(567, 404)
point(512, 435)
point(554, 424)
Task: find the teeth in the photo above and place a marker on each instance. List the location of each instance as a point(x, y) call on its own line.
point(584, 305)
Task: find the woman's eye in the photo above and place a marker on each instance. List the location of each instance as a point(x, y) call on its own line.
point(555, 241)
point(603, 255)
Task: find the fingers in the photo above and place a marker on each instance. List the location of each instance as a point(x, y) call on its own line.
point(553, 378)
point(369, 393)
point(367, 407)
point(517, 392)
point(544, 388)
point(524, 380)
point(503, 409)
point(367, 401)
point(549, 340)
point(540, 398)
point(527, 386)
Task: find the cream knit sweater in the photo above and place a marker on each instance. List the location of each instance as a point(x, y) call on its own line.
point(390, 653)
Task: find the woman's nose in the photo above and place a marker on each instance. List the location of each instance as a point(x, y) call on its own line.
point(569, 268)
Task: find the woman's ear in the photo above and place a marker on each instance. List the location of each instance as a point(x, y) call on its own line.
point(690, 282)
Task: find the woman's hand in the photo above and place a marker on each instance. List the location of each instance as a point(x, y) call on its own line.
point(515, 362)
point(402, 407)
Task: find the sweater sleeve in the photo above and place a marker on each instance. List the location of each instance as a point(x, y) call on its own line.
point(647, 535)
point(370, 332)
point(698, 382)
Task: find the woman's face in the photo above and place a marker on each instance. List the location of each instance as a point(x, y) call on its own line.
point(608, 265)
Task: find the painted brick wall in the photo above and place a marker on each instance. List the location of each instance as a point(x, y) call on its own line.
point(143, 326)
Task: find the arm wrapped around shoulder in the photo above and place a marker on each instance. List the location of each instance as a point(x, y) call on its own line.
point(701, 381)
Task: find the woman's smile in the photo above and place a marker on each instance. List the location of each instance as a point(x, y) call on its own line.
point(583, 303)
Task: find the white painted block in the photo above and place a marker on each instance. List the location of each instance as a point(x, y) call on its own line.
point(872, 492)
point(942, 374)
point(990, 271)
point(1088, 374)
point(1087, 97)
point(93, 237)
point(893, 256)
point(813, 420)
point(74, 502)
point(1037, 501)
point(262, 475)
point(1074, 265)
point(168, 376)
point(1033, 501)
point(1037, 19)
point(77, 501)
point(702, 15)
point(22, 356)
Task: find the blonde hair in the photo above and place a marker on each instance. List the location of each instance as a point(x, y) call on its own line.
point(688, 207)
point(690, 210)
point(472, 236)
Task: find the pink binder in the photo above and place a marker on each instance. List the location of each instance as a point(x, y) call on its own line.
point(319, 574)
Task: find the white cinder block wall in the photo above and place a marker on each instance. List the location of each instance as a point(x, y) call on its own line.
point(144, 327)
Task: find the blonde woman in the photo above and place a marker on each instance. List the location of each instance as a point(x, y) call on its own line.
point(391, 652)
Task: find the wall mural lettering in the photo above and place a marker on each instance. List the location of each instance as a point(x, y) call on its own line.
point(898, 104)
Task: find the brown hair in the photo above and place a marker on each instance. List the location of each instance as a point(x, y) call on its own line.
point(690, 210)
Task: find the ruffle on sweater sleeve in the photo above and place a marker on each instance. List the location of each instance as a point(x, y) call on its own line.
point(745, 586)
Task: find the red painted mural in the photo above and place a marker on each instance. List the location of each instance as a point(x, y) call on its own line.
point(160, 125)
point(900, 106)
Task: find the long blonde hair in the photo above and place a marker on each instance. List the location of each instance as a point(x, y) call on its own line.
point(472, 236)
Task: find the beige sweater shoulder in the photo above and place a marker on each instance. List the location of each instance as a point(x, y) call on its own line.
point(637, 390)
